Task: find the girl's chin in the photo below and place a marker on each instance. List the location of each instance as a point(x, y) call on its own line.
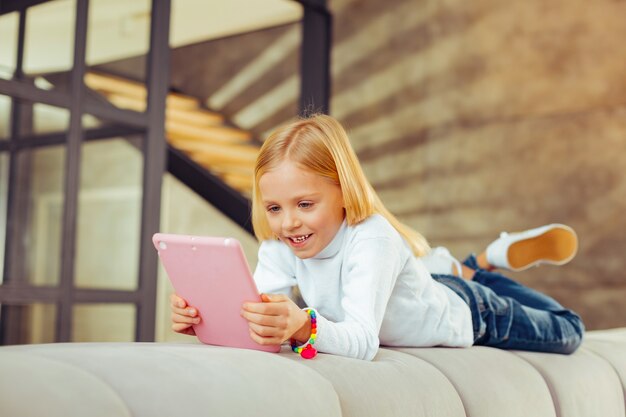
point(304, 254)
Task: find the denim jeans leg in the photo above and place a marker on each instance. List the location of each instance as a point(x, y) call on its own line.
point(506, 287)
point(472, 298)
point(508, 315)
point(521, 318)
point(471, 262)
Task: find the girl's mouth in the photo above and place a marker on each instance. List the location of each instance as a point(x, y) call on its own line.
point(300, 240)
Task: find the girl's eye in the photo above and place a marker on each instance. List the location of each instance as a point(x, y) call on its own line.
point(305, 204)
point(273, 209)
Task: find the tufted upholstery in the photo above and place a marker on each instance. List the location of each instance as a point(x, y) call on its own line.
point(152, 380)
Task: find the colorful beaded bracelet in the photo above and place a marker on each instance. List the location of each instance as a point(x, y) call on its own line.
point(307, 351)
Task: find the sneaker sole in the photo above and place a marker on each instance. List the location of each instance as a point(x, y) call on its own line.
point(556, 246)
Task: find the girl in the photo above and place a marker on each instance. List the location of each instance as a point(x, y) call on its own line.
point(362, 273)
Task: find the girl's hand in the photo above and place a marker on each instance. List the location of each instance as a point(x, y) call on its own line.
point(183, 316)
point(275, 320)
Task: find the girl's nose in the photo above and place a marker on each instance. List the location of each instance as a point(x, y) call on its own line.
point(291, 222)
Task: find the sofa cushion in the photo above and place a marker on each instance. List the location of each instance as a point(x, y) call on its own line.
point(157, 379)
point(581, 384)
point(167, 380)
point(31, 385)
point(393, 384)
point(489, 381)
point(610, 345)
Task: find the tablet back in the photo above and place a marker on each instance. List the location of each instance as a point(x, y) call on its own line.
point(211, 274)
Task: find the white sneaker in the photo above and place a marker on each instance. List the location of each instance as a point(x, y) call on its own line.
point(440, 261)
point(554, 244)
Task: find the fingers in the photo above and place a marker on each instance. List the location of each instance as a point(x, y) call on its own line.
point(183, 316)
point(264, 319)
point(183, 328)
point(267, 321)
point(273, 298)
point(180, 307)
point(268, 308)
point(189, 311)
point(265, 340)
point(265, 331)
point(176, 301)
point(262, 340)
point(183, 323)
point(273, 320)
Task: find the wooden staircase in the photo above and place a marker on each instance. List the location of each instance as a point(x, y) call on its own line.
point(227, 152)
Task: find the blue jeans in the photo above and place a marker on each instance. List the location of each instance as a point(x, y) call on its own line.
point(508, 315)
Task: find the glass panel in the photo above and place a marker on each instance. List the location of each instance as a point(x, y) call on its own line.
point(109, 215)
point(219, 19)
point(5, 117)
point(103, 323)
point(38, 215)
point(118, 40)
point(4, 191)
point(49, 119)
point(8, 52)
point(36, 118)
point(28, 323)
point(49, 42)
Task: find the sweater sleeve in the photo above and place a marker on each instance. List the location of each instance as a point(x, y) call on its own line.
point(275, 273)
point(371, 270)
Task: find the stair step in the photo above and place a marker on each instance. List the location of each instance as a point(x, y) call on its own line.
point(239, 152)
point(209, 134)
point(239, 182)
point(222, 167)
point(195, 116)
point(111, 85)
point(218, 161)
point(225, 151)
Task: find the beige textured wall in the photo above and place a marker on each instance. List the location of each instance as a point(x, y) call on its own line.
point(472, 118)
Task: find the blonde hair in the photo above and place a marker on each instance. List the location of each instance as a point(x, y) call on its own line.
point(320, 144)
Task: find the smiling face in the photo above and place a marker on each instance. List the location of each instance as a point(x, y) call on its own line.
point(303, 209)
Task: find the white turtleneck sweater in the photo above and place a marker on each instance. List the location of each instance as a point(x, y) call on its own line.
point(369, 290)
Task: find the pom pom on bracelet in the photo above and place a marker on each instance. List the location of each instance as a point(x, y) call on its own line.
point(307, 351)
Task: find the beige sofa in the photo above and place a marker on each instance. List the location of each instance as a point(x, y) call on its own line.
point(153, 379)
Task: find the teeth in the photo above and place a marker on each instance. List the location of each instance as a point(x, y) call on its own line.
point(300, 239)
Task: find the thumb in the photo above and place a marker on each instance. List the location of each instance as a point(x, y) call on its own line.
point(273, 298)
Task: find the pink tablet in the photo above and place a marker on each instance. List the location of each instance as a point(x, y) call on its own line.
point(212, 274)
